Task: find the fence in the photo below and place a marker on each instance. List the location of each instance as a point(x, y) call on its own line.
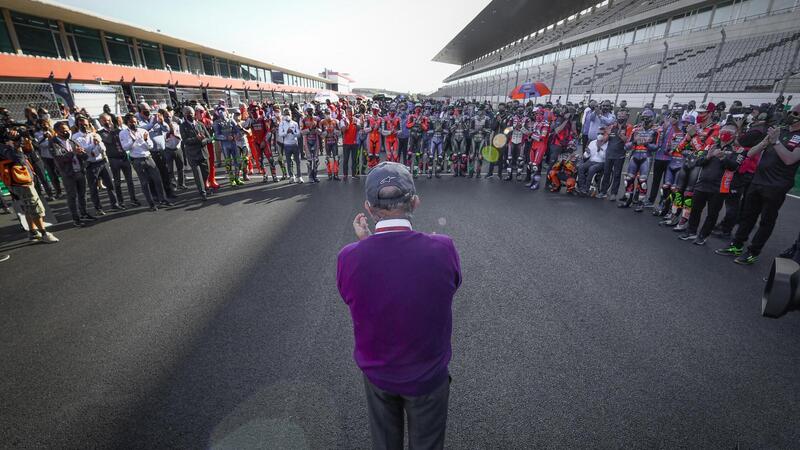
point(189, 94)
point(151, 94)
point(16, 96)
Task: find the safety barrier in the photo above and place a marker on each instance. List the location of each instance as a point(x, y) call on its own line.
point(16, 96)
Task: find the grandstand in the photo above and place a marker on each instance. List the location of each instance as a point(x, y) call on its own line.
point(52, 54)
point(643, 50)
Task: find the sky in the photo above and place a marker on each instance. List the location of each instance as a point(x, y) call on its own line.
point(381, 44)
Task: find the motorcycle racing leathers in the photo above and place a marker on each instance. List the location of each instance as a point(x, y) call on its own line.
point(540, 133)
point(389, 129)
point(330, 135)
point(642, 145)
point(480, 132)
point(310, 131)
point(417, 125)
point(458, 145)
point(372, 128)
point(514, 154)
point(433, 158)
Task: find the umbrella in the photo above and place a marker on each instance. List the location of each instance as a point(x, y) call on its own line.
point(529, 89)
point(322, 96)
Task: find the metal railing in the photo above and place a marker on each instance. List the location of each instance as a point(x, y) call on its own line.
point(16, 96)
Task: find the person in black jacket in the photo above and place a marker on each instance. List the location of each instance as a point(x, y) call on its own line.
point(117, 157)
point(718, 166)
point(195, 139)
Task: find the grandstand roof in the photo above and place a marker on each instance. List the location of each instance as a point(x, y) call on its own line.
point(504, 21)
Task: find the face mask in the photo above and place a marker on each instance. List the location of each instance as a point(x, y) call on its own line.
point(65, 135)
point(83, 129)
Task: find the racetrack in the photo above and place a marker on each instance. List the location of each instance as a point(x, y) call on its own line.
point(219, 325)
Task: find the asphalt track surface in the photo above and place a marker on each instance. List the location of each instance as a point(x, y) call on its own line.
point(219, 325)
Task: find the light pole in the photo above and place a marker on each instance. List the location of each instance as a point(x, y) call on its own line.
point(716, 64)
point(594, 74)
point(622, 75)
point(553, 83)
point(569, 85)
point(660, 71)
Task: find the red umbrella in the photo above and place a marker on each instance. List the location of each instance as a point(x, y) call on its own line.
point(529, 89)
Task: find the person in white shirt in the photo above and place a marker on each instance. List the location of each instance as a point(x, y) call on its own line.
point(138, 144)
point(595, 156)
point(288, 133)
point(97, 167)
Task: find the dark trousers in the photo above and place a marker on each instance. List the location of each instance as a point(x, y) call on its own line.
point(160, 158)
point(147, 171)
point(586, 171)
point(175, 163)
point(200, 174)
point(349, 155)
point(761, 201)
point(293, 154)
point(659, 169)
point(402, 147)
point(100, 171)
point(55, 178)
point(121, 167)
point(714, 201)
point(39, 178)
point(75, 186)
point(734, 202)
point(612, 173)
point(427, 418)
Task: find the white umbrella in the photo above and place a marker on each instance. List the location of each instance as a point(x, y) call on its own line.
point(323, 96)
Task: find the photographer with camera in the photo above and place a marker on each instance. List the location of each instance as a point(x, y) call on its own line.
point(17, 175)
point(773, 179)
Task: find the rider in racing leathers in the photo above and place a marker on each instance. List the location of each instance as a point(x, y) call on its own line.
point(643, 143)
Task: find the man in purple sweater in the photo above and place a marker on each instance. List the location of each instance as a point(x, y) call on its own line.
point(399, 285)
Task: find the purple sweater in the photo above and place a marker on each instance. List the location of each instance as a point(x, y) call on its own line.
point(399, 287)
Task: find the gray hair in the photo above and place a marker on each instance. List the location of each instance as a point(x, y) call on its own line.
point(391, 199)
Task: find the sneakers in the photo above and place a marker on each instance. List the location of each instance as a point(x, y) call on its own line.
point(601, 196)
point(731, 250)
point(49, 238)
point(701, 240)
point(293, 180)
point(99, 212)
point(681, 226)
point(89, 218)
point(746, 259)
point(34, 235)
point(300, 180)
point(688, 236)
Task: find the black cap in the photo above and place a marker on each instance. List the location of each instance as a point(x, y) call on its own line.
point(388, 174)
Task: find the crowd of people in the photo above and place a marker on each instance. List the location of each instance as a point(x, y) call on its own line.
point(682, 160)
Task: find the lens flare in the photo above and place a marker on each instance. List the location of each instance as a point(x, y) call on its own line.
point(490, 153)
